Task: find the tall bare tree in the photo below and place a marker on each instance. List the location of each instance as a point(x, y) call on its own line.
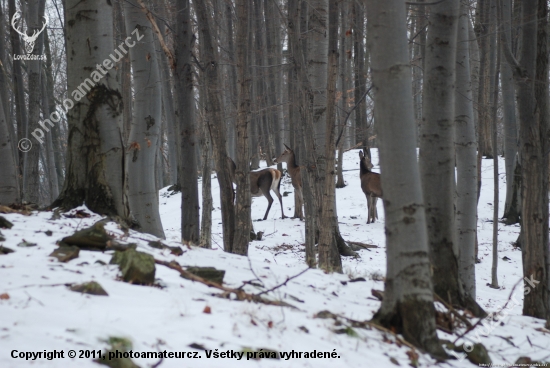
point(185, 112)
point(215, 124)
point(95, 172)
point(144, 138)
point(9, 183)
point(408, 298)
point(466, 159)
point(533, 119)
point(242, 177)
point(437, 156)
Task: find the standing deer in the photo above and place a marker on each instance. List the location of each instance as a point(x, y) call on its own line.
point(370, 184)
point(295, 174)
point(261, 182)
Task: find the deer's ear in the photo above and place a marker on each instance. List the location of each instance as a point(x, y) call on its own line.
point(287, 147)
point(361, 154)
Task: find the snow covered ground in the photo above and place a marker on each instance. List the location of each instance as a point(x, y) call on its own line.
point(39, 313)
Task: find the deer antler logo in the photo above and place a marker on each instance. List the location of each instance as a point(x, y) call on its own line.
point(29, 40)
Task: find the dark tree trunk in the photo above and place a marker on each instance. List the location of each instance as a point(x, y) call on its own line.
point(187, 162)
point(216, 126)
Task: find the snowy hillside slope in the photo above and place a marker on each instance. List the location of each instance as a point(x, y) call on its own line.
point(38, 312)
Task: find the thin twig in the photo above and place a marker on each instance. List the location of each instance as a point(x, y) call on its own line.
point(482, 319)
point(284, 283)
point(239, 293)
point(349, 114)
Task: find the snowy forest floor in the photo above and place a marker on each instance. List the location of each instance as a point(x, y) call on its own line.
point(38, 312)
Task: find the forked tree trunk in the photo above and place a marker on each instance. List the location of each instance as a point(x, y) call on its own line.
point(242, 177)
point(216, 126)
point(144, 138)
point(185, 113)
point(408, 300)
point(466, 160)
point(95, 172)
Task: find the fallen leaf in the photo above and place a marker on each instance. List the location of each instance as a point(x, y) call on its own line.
point(207, 310)
point(4, 296)
point(270, 324)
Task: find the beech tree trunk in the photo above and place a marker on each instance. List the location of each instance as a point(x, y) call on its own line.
point(216, 126)
point(466, 160)
point(329, 257)
point(9, 184)
point(242, 177)
point(185, 113)
point(533, 120)
point(95, 172)
point(408, 299)
point(144, 138)
point(511, 206)
point(437, 154)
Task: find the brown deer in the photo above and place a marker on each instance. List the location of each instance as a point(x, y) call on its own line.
point(295, 174)
point(261, 183)
point(370, 184)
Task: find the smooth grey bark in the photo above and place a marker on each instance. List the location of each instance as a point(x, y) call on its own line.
point(231, 98)
point(185, 113)
point(19, 91)
point(437, 151)
point(466, 160)
point(31, 182)
point(533, 120)
point(360, 75)
point(329, 257)
point(494, 118)
point(304, 96)
point(124, 70)
point(206, 171)
point(144, 138)
point(408, 297)
point(342, 87)
point(9, 183)
point(56, 132)
point(317, 50)
point(242, 177)
point(4, 74)
point(53, 183)
point(511, 206)
point(474, 69)
point(216, 126)
point(95, 172)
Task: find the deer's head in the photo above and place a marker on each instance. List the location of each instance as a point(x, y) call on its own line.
point(29, 40)
point(365, 161)
point(286, 156)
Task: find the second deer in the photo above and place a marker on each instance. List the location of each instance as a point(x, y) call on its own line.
point(295, 174)
point(261, 183)
point(371, 186)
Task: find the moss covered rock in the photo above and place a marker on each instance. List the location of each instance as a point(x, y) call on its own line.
point(65, 253)
point(208, 273)
point(92, 288)
point(136, 267)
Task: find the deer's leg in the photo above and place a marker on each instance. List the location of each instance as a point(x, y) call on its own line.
point(266, 194)
point(368, 207)
point(299, 210)
point(278, 194)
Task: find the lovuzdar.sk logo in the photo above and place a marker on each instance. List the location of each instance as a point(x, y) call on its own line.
point(29, 40)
